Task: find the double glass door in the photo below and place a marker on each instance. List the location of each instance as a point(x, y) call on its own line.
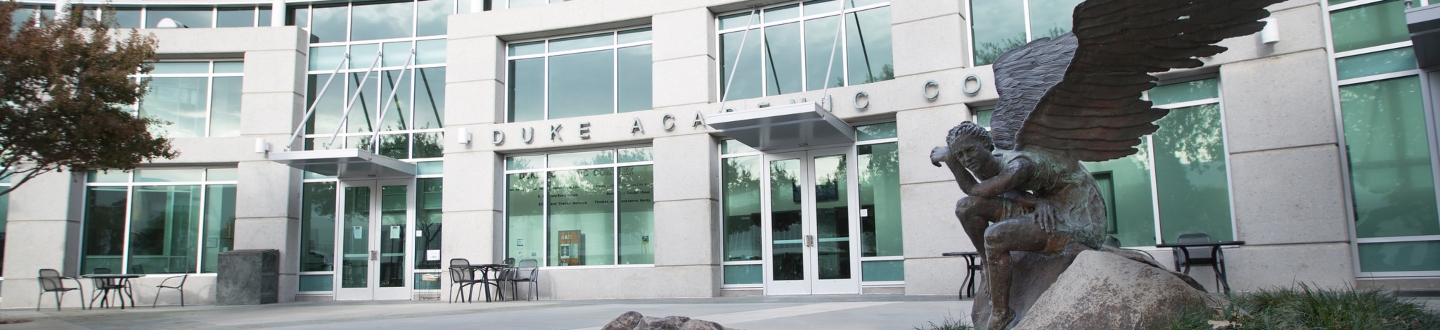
point(811, 217)
point(374, 259)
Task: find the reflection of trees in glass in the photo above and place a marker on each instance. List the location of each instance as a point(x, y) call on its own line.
point(1385, 137)
point(317, 221)
point(987, 52)
point(740, 179)
point(428, 220)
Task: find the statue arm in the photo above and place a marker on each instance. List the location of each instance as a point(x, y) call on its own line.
point(1014, 175)
point(963, 177)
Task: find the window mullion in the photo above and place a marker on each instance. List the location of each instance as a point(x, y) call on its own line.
point(1029, 35)
point(199, 252)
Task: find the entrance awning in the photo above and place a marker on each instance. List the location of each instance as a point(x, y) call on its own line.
point(783, 127)
point(345, 163)
point(1424, 24)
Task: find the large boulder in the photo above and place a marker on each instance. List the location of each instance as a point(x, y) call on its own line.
point(1107, 290)
point(1031, 274)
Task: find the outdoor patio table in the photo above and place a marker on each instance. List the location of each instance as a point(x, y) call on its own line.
point(1214, 255)
point(485, 270)
point(109, 282)
point(970, 268)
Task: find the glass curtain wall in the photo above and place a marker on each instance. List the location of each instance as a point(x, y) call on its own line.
point(317, 229)
point(793, 47)
point(160, 221)
point(881, 240)
point(882, 246)
point(997, 26)
point(581, 209)
point(194, 98)
point(578, 76)
point(186, 16)
point(384, 63)
point(1387, 138)
point(1179, 181)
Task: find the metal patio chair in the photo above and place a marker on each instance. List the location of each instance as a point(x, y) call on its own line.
point(51, 281)
point(178, 287)
point(462, 274)
point(527, 270)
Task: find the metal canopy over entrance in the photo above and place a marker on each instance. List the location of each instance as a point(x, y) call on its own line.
point(345, 163)
point(1424, 25)
point(784, 127)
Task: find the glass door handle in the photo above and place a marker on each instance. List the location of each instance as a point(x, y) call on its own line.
point(374, 255)
point(809, 241)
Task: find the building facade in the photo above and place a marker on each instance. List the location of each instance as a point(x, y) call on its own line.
point(703, 148)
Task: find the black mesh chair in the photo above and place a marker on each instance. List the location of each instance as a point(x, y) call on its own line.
point(527, 270)
point(1201, 256)
point(506, 275)
point(463, 275)
point(51, 281)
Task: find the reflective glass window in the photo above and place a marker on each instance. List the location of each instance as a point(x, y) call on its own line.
point(1184, 163)
point(370, 21)
point(580, 76)
point(317, 227)
point(1391, 175)
point(1369, 25)
point(634, 78)
point(781, 55)
point(740, 207)
point(198, 17)
point(1395, 60)
point(174, 223)
point(880, 225)
point(193, 99)
point(328, 24)
point(599, 214)
point(432, 17)
point(127, 17)
point(1001, 25)
point(236, 17)
point(428, 221)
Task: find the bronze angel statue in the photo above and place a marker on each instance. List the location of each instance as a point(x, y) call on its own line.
point(1068, 99)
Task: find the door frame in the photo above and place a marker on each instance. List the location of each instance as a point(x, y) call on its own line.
point(811, 284)
point(373, 291)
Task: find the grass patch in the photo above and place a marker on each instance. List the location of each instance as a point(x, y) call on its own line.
point(950, 323)
point(1304, 307)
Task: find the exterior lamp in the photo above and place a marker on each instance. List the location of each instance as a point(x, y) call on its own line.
point(1271, 33)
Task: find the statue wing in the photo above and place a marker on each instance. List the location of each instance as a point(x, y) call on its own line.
point(1094, 112)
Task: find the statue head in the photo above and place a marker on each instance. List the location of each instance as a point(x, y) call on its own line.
point(972, 145)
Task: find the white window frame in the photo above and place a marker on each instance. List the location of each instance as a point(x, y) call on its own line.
point(130, 185)
point(757, 30)
point(614, 47)
point(542, 170)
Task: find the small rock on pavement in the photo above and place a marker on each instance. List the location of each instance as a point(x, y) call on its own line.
point(635, 321)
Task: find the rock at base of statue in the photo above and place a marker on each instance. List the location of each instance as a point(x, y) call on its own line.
point(1107, 290)
point(635, 321)
point(1031, 274)
point(1041, 271)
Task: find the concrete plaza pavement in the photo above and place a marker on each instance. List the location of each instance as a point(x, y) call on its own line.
point(785, 312)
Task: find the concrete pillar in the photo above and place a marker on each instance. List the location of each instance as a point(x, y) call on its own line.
point(473, 223)
point(684, 61)
point(277, 13)
point(928, 36)
point(43, 231)
point(687, 237)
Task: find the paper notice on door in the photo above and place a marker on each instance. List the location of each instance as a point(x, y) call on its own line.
point(394, 232)
point(358, 232)
point(432, 255)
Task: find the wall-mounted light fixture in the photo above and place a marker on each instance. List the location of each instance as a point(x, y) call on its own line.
point(464, 136)
point(261, 146)
point(1271, 33)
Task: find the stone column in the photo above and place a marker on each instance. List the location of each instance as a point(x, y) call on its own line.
point(43, 231)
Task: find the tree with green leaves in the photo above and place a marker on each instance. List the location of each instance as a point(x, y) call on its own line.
point(65, 91)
